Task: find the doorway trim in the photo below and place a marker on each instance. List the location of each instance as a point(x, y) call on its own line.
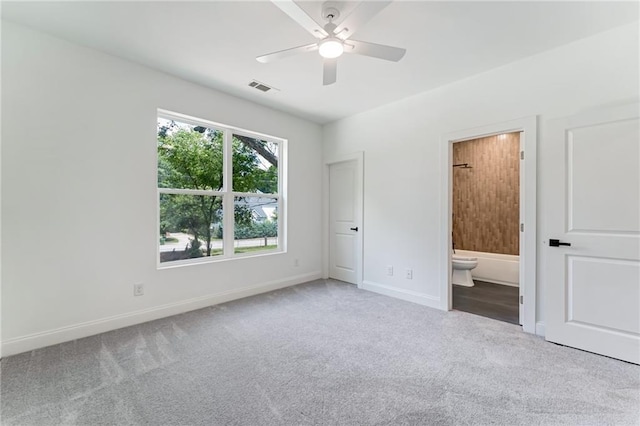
point(358, 157)
point(528, 171)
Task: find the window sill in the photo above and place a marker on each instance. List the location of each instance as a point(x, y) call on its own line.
point(217, 259)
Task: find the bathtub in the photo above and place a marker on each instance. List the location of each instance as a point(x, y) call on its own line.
point(495, 268)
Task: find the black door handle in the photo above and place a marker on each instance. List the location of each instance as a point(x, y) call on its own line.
point(557, 243)
point(354, 229)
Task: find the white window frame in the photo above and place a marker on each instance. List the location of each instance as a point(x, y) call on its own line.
point(227, 193)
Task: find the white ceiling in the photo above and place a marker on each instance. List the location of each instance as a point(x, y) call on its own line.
point(215, 43)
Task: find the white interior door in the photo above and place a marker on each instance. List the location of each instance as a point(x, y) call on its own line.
point(593, 285)
point(345, 227)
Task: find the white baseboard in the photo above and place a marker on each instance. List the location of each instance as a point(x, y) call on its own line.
point(540, 330)
point(89, 328)
point(399, 293)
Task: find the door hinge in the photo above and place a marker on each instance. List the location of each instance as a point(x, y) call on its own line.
point(522, 155)
point(522, 300)
point(522, 227)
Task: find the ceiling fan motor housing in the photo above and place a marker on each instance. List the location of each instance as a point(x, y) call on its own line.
point(330, 11)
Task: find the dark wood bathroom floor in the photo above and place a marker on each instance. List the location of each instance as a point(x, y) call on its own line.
point(488, 300)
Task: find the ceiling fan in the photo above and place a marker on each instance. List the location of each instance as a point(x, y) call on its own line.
point(334, 40)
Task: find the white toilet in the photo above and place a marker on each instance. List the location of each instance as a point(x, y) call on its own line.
point(462, 266)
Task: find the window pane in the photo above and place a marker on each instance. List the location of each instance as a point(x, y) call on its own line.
point(190, 226)
point(189, 157)
point(256, 224)
point(255, 165)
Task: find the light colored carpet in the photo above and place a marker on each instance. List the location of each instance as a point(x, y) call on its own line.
point(322, 353)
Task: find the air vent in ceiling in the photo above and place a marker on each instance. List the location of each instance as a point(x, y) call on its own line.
point(261, 86)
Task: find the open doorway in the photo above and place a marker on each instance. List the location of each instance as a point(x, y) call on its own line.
point(510, 276)
point(486, 222)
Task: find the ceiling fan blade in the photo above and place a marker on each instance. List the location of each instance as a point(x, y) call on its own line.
point(381, 51)
point(329, 71)
point(300, 16)
point(360, 16)
point(270, 57)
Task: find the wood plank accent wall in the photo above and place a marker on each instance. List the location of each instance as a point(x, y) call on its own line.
point(486, 197)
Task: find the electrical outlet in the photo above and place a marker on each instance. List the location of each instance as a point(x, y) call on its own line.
point(296, 262)
point(390, 270)
point(408, 274)
point(138, 289)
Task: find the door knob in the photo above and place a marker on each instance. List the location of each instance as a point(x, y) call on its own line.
point(557, 243)
point(354, 229)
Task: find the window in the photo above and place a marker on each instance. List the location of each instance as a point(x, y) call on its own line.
point(219, 190)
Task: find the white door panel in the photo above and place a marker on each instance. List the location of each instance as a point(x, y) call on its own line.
point(590, 287)
point(342, 180)
point(345, 256)
point(345, 204)
point(593, 285)
point(599, 177)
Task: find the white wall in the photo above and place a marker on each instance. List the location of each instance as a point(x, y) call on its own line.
point(79, 193)
point(401, 141)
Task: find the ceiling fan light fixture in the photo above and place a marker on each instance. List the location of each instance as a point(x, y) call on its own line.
point(330, 48)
